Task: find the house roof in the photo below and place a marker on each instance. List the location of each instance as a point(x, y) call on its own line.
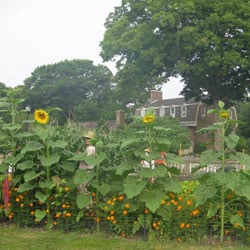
point(170, 102)
point(186, 111)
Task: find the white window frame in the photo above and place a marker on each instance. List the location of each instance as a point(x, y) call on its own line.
point(162, 111)
point(184, 110)
point(172, 111)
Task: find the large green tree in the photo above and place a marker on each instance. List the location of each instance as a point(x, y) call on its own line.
point(82, 90)
point(205, 42)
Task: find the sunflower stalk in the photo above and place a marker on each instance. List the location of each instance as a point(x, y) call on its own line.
point(222, 198)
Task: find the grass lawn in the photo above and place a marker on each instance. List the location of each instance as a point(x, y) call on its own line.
point(14, 238)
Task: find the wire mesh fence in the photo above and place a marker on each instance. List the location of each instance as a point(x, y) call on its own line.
point(176, 219)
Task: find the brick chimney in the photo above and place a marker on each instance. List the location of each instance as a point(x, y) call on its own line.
point(120, 118)
point(155, 95)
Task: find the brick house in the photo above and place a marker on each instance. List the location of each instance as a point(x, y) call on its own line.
point(191, 114)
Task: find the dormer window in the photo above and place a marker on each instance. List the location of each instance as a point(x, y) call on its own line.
point(184, 110)
point(172, 111)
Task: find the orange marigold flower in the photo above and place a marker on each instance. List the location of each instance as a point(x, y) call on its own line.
point(236, 224)
point(112, 212)
point(239, 212)
point(179, 207)
point(182, 225)
point(195, 212)
point(64, 205)
point(21, 196)
point(121, 197)
point(123, 234)
point(125, 212)
point(41, 116)
point(127, 205)
point(58, 215)
point(10, 216)
point(171, 195)
point(189, 202)
point(180, 198)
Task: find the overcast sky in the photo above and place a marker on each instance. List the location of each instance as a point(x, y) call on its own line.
point(41, 32)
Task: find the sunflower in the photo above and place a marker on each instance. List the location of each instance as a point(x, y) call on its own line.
point(148, 118)
point(224, 114)
point(41, 116)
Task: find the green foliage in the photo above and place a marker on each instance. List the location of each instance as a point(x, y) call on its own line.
point(214, 186)
point(123, 194)
point(199, 147)
point(166, 134)
point(244, 128)
point(82, 90)
point(205, 42)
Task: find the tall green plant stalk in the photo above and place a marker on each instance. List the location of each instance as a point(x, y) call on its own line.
point(97, 199)
point(48, 203)
point(213, 189)
point(222, 191)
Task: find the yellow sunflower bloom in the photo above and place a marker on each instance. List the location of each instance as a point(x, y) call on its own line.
point(148, 118)
point(224, 114)
point(41, 116)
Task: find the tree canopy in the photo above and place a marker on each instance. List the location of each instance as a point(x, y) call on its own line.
point(205, 42)
point(82, 90)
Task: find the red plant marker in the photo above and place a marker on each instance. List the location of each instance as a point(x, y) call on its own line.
point(6, 196)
